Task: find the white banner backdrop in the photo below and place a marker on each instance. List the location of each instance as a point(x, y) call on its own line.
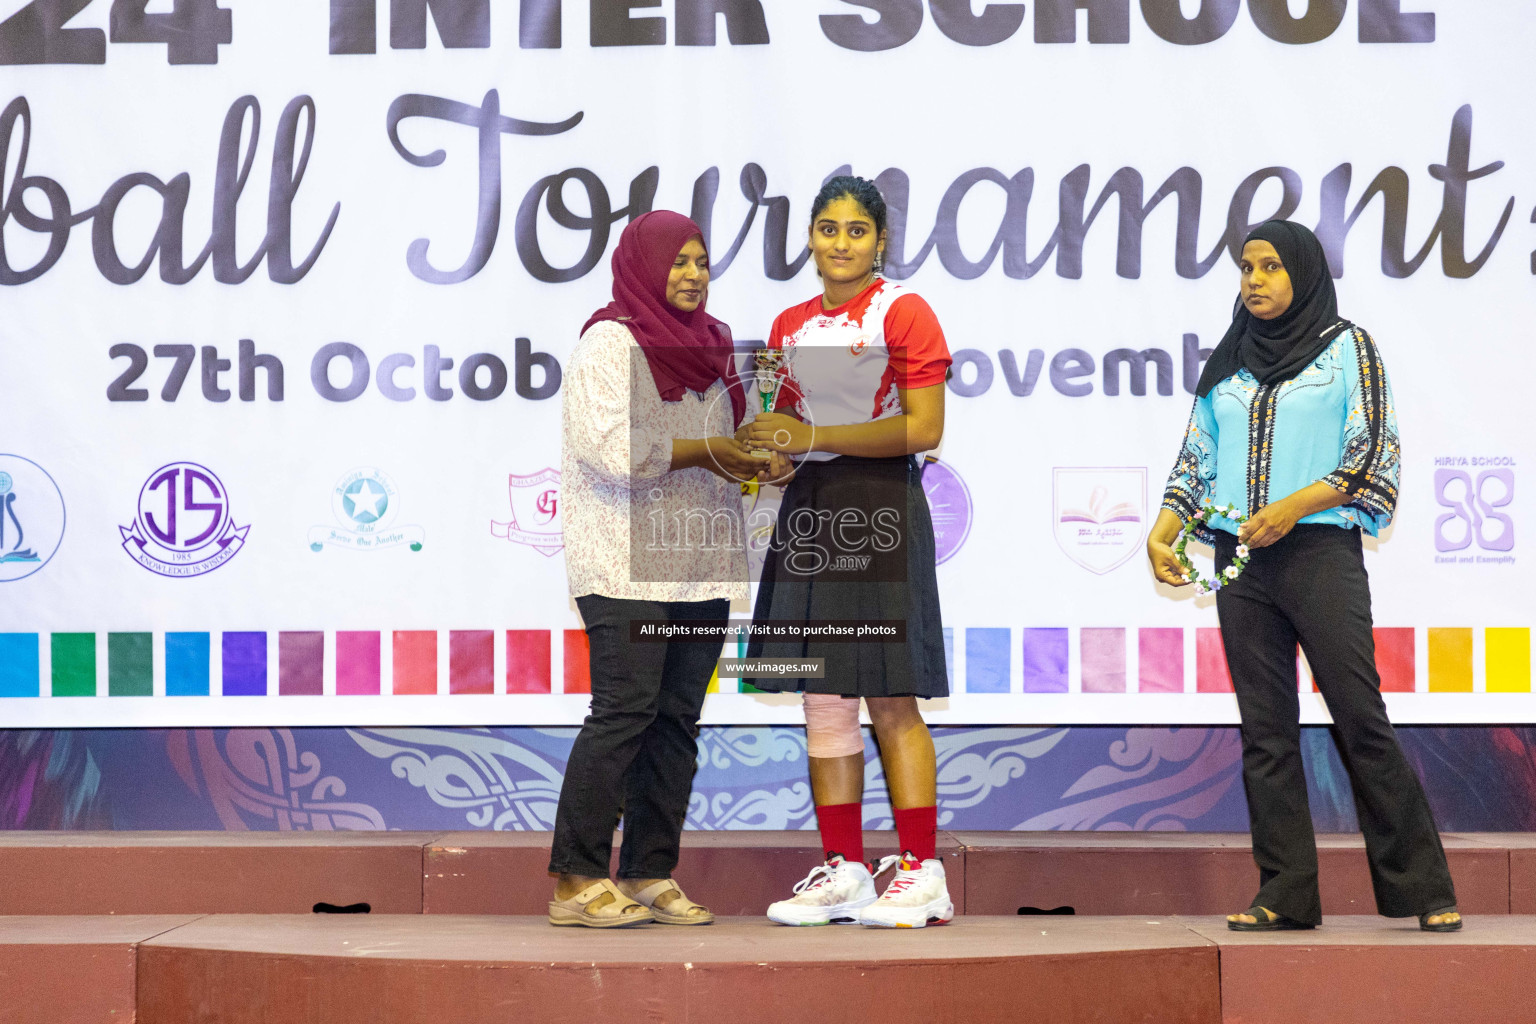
point(288, 287)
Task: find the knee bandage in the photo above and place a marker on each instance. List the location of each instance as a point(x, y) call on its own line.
point(832, 726)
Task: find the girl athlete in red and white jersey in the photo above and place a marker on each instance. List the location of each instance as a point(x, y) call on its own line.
point(862, 399)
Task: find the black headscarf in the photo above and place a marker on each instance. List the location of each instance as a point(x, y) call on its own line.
point(1277, 350)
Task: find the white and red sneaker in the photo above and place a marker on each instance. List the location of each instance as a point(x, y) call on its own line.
point(917, 897)
point(833, 893)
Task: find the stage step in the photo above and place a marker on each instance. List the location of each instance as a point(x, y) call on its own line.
point(1205, 873)
point(394, 969)
point(1522, 866)
point(1357, 970)
point(735, 873)
point(55, 970)
point(245, 970)
point(209, 872)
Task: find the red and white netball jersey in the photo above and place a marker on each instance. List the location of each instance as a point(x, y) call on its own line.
point(845, 365)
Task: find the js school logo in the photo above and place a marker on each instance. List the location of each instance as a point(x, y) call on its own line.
point(184, 525)
point(365, 503)
point(536, 521)
point(949, 503)
point(1099, 514)
point(31, 517)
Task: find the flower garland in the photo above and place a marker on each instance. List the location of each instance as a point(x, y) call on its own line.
point(1231, 572)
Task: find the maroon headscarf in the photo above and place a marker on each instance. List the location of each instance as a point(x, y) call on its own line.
point(685, 350)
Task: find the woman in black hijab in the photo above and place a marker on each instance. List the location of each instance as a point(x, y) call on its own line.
point(1294, 423)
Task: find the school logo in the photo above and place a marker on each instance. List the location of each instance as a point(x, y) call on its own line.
point(365, 503)
point(1100, 514)
point(949, 503)
point(535, 521)
point(1477, 494)
point(184, 525)
point(31, 517)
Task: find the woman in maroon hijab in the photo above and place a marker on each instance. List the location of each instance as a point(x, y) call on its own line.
point(650, 473)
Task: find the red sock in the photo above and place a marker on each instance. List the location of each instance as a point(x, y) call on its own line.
point(842, 829)
point(917, 829)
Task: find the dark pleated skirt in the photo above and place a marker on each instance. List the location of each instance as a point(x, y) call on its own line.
point(854, 543)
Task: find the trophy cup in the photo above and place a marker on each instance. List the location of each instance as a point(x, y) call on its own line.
point(769, 365)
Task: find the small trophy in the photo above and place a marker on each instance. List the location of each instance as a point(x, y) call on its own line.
point(769, 364)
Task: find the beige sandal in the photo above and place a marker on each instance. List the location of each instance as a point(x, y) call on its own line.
point(617, 913)
point(670, 915)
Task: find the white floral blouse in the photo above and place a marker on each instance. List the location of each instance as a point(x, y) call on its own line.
point(634, 530)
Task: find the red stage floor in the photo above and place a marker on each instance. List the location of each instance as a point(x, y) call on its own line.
point(735, 873)
point(60, 970)
point(394, 969)
point(182, 928)
point(742, 970)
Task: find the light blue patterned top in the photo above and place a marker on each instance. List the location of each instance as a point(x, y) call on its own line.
point(1249, 444)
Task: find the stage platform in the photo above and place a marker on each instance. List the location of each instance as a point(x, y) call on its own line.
point(735, 873)
point(167, 928)
point(745, 970)
point(406, 969)
point(63, 970)
point(1208, 873)
point(209, 872)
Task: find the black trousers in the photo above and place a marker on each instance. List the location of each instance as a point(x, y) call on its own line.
point(636, 750)
point(1311, 588)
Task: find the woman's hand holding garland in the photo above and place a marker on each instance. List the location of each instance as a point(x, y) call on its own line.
point(1227, 575)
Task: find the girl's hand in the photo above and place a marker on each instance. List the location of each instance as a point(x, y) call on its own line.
point(777, 432)
point(779, 471)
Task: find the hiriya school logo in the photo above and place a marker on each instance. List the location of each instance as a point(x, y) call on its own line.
point(535, 519)
point(1477, 493)
point(365, 503)
point(31, 517)
point(1100, 514)
point(949, 503)
point(184, 525)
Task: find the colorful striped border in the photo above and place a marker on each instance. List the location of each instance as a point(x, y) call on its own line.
point(992, 660)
